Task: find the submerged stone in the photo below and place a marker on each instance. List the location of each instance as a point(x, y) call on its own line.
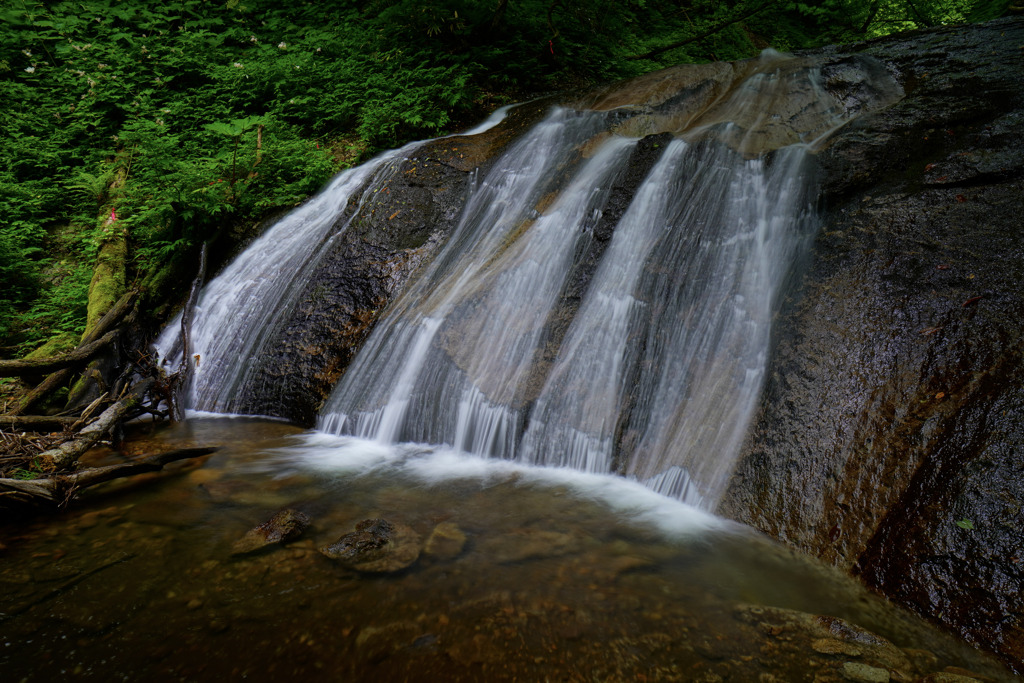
point(376, 545)
point(446, 541)
point(530, 544)
point(862, 673)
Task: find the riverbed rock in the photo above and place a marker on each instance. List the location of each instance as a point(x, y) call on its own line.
point(445, 542)
point(527, 544)
point(889, 437)
point(947, 677)
point(376, 546)
point(285, 526)
point(862, 673)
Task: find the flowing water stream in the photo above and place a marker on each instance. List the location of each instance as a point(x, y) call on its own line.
point(523, 574)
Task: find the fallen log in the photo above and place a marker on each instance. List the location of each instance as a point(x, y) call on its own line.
point(106, 324)
point(67, 454)
point(59, 490)
point(37, 423)
point(44, 366)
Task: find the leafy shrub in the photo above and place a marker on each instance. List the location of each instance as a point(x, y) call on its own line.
point(178, 119)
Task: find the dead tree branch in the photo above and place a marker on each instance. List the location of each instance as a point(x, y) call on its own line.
point(41, 366)
point(67, 454)
point(37, 423)
point(58, 490)
point(701, 36)
point(112, 317)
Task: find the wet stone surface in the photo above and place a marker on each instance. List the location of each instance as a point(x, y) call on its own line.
point(283, 527)
point(890, 433)
point(377, 246)
point(376, 545)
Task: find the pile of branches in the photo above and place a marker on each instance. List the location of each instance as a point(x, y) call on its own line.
point(39, 454)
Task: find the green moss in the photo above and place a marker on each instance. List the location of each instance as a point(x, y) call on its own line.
point(56, 345)
point(108, 279)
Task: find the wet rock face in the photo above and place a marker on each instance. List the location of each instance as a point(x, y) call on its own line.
point(889, 437)
point(891, 428)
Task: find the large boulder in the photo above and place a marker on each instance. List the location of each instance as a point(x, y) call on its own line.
point(890, 435)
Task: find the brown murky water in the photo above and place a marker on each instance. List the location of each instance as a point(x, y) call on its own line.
point(559, 578)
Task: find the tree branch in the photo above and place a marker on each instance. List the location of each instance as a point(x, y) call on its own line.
point(872, 13)
point(111, 318)
point(59, 490)
point(67, 454)
point(920, 17)
point(710, 32)
point(36, 423)
point(498, 15)
point(40, 366)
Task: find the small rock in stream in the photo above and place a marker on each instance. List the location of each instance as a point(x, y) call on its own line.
point(376, 545)
point(862, 673)
point(446, 541)
point(950, 677)
point(529, 544)
point(830, 646)
point(285, 526)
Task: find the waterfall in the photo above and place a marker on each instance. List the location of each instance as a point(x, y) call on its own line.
point(454, 359)
point(654, 372)
point(741, 224)
point(240, 309)
point(685, 292)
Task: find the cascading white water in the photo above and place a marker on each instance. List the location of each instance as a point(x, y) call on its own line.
point(451, 362)
point(741, 225)
point(659, 371)
point(574, 421)
point(661, 368)
point(238, 311)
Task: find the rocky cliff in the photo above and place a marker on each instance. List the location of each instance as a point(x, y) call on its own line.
point(891, 436)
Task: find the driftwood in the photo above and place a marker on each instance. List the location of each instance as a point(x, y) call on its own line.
point(186, 369)
point(53, 450)
point(62, 484)
point(58, 490)
point(106, 324)
point(65, 455)
point(44, 366)
point(37, 423)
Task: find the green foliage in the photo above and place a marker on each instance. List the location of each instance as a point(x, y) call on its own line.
point(173, 120)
